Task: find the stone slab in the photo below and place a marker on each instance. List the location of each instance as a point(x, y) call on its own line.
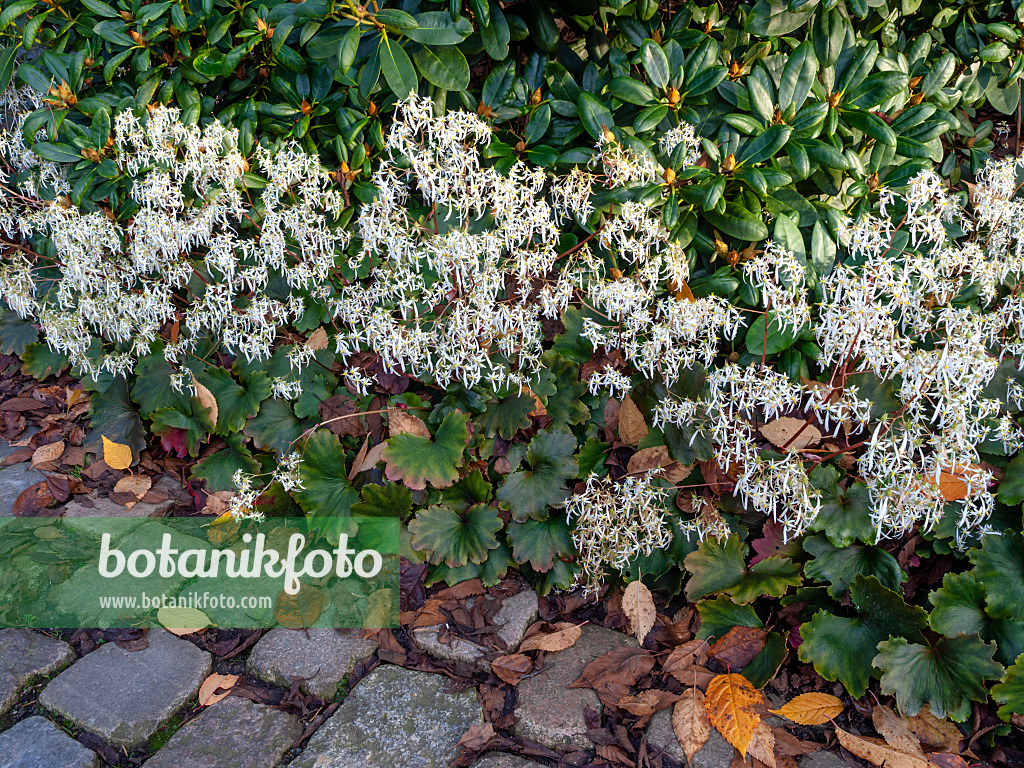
point(78, 517)
point(25, 654)
point(502, 760)
point(394, 718)
point(13, 480)
point(233, 733)
point(37, 743)
point(324, 657)
point(716, 753)
point(548, 712)
point(125, 696)
point(515, 616)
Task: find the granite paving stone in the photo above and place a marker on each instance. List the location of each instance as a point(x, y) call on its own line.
point(37, 743)
point(26, 654)
point(323, 657)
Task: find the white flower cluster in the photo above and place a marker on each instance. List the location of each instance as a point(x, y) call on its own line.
point(615, 522)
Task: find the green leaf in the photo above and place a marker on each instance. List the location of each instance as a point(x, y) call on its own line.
point(454, 539)
point(415, 460)
point(842, 649)
point(539, 542)
point(655, 63)
point(594, 114)
point(152, 388)
point(845, 516)
point(947, 675)
point(275, 427)
point(999, 565)
point(58, 153)
point(778, 338)
point(219, 468)
point(444, 67)
point(632, 91)
point(507, 416)
point(798, 77)
point(470, 490)
point(766, 664)
point(714, 567)
point(166, 419)
point(877, 88)
point(720, 615)
point(114, 417)
point(840, 566)
point(438, 28)
point(15, 334)
point(870, 125)
point(529, 493)
point(1011, 490)
point(565, 406)
point(770, 577)
point(495, 35)
point(327, 496)
point(770, 18)
point(397, 67)
point(39, 361)
point(1010, 692)
point(235, 404)
point(738, 222)
point(387, 500)
point(959, 609)
point(765, 145)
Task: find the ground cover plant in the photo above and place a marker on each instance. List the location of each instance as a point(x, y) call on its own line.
point(723, 300)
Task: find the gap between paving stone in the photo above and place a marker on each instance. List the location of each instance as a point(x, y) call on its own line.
point(35, 742)
point(25, 655)
point(126, 696)
point(394, 718)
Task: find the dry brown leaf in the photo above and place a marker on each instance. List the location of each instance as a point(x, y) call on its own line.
point(638, 605)
point(317, 339)
point(49, 453)
point(657, 457)
point(738, 647)
point(895, 731)
point(935, 734)
point(632, 427)
point(116, 455)
point(612, 674)
point(511, 668)
point(762, 745)
point(810, 708)
point(788, 745)
point(953, 483)
point(684, 656)
point(73, 396)
point(402, 422)
point(879, 753)
point(786, 429)
point(372, 457)
point(206, 400)
point(690, 722)
point(137, 485)
point(730, 704)
point(565, 636)
point(947, 760)
point(208, 691)
point(646, 703)
point(359, 458)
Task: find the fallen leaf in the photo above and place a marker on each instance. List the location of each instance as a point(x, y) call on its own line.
point(738, 647)
point(116, 455)
point(47, 454)
point(360, 455)
point(690, 722)
point(788, 745)
point(32, 499)
point(301, 610)
point(565, 636)
point(954, 482)
point(317, 339)
point(947, 760)
point(657, 457)
point(208, 690)
point(181, 620)
point(810, 708)
point(730, 704)
point(879, 753)
point(685, 656)
point(935, 734)
point(646, 703)
point(792, 431)
point(762, 745)
point(73, 396)
point(511, 668)
point(403, 422)
point(632, 427)
point(638, 605)
point(612, 674)
point(895, 731)
point(372, 457)
point(206, 400)
point(137, 485)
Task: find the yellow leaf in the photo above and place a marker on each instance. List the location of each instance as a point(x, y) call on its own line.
point(116, 456)
point(810, 708)
point(632, 427)
point(181, 620)
point(690, 722)
point(208, 690)
point(730, 704)
point(879, 753)
point(638, 605)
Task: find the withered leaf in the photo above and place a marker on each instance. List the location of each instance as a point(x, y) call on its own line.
point(793, 434)
point(511, 668)
point(895, 730)
point(564, 636)
point(731, 704)
point(612, 674)
point(638, 605)
point(632, 427)
point(810, 708)
point(690, 722)
point(646, 703)
point(879, 753)
point(738, 647)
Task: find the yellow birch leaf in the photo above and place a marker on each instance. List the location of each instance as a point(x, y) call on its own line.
point(116, 455)
point(810, 708)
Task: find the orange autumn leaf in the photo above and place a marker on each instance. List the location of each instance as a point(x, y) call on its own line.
point(730, 702)
point(810, 708)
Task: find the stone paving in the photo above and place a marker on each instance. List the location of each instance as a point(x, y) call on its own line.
point(37, 743)
point(321, 657)
point(25, 655)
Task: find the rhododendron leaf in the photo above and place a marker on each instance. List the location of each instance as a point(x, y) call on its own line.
point(507, 416)
point(714, 567)
point(529, 493)
point(327, 496)
point(217, 469)
point(235, 404)
point(275, 426)
point(167, 419)
point(947, 675)
point(840, 566)
point(999, 565)
point(720, 615)
point(779, 338)
point(39, 361)
point(845, 516)
point(1010, 692)
point(456, 539)
point(771, 577)
point(387, 500)
point(539, 542)
point(843, 648)
point(415, 461)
